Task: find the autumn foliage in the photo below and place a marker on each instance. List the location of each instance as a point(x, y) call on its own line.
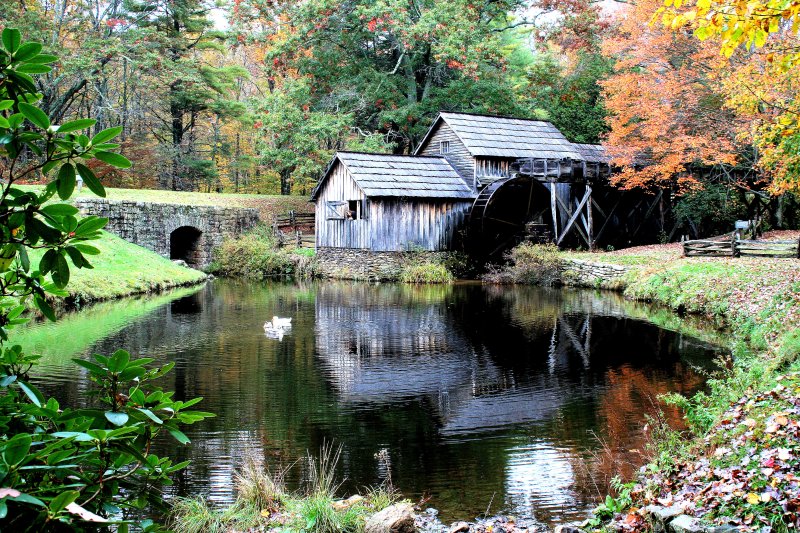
point(665, 104)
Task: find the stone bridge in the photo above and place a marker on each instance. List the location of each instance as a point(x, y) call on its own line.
point(187, 232)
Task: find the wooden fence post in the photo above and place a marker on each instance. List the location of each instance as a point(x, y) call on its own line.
point(734, 252)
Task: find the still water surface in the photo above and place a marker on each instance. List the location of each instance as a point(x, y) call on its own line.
point(508, 399)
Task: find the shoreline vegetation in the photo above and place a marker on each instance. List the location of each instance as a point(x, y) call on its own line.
point(736, 467)
point(122, 269)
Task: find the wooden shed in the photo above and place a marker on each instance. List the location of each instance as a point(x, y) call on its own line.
point(384, 203)
point(483, 147)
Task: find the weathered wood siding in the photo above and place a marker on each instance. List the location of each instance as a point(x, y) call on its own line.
point(389, 224)
point(489, 169)
point(458, 156)
point(341, 233)
point(424, 224)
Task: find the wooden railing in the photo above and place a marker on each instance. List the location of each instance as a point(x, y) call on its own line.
point(292, 229)
point(733, 246)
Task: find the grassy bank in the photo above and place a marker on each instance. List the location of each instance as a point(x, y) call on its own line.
point(738, 466)
point(122, 269)
point(263, 503)
point(267, 205)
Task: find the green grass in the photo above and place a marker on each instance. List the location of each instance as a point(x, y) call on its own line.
point(267, 205)
point(123, 269)
point(263, 504)
point(426, 272)
point(758, 300)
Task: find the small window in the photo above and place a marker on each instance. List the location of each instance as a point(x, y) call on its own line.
point(444, 147)
point(335, 210)
point(354, 211)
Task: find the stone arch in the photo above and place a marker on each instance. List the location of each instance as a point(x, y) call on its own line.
point(186, 243)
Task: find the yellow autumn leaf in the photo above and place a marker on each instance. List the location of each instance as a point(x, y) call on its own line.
point(753, 498)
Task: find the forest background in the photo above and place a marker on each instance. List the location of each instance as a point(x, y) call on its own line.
point(254, 96)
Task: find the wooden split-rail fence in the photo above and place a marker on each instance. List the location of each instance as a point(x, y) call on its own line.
point(734, 246)
point(289, 229)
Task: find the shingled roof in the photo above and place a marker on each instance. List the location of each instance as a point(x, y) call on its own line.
point(494, 136)
point(593, 153)
point(400, 176)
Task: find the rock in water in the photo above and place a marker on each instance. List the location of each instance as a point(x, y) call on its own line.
point(686, 524)
point(397, 518)
point(459, 527)
point(568, 528)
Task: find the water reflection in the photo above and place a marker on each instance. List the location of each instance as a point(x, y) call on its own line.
point(521, 399)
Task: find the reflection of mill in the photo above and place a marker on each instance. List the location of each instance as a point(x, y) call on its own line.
point(579, 339)
point(379, 345)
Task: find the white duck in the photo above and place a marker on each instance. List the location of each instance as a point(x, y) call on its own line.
point(281, 322)
point(277, 327)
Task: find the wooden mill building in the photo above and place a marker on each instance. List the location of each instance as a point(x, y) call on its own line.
point(498, 180)
point(390, 203)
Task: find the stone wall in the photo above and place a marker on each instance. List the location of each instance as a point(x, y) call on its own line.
point(580, 273)
point(348, 263)
point(152, 224)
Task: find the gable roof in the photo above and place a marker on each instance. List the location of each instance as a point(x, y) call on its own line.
point(496, 136)
point(400, 176)
point(593, 153)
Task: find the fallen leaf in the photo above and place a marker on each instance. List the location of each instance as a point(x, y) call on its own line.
point(753, 498)
point(89, 516)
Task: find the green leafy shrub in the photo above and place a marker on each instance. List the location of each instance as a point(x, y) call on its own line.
point(426, 272)
point(256, 255)
point(64, 468)
point(532, 264)
point(66, 465)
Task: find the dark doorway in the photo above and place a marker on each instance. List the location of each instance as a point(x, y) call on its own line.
point(184, 243)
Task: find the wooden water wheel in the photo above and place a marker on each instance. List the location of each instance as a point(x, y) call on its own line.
point(507, 212)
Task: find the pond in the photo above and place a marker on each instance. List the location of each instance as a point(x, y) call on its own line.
point(484, 399)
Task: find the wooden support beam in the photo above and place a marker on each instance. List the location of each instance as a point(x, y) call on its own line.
point(647, 214)
point(569, 212)
point(574, 216)
point(589, 219)
point(599, 209)
point(608, 217)
point(553, 205)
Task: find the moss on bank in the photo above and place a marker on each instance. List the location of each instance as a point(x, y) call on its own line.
point(738, 467)
point(123, 269)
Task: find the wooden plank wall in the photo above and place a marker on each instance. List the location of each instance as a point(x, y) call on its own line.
point(390, 224)
point(492, 169)
point(423, 224)
point(459, 157)
point(340, 233)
